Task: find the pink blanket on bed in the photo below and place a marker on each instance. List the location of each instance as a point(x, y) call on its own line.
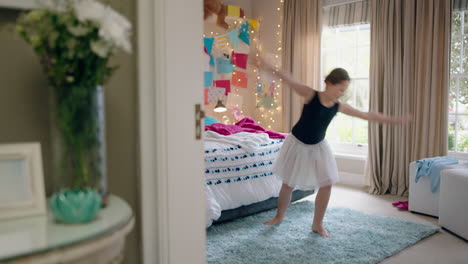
point(246, 124)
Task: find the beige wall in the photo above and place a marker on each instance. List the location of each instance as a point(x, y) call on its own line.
point(24, 113)
point(23, 92)
point(267, 12)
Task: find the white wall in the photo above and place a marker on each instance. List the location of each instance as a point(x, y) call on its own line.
point(351, 169)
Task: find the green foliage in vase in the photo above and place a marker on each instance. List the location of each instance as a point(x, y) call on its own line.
point(74, 40)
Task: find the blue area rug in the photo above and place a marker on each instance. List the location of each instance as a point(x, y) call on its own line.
point(356, 238)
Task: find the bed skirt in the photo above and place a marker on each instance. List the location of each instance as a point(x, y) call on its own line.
point(246, 210)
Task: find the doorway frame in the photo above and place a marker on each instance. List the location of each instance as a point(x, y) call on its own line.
point(166, 236)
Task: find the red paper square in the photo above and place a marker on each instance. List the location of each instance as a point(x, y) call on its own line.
point(226, 84)
point(205, 90)
point(239, 60)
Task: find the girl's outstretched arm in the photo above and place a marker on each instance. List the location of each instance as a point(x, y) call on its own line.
point(302, 89)
point(373, 117)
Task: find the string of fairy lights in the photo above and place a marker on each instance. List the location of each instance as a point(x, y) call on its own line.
point(233, 22)
point(269, 114)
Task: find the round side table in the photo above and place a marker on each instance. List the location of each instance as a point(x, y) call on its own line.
point(42, 240)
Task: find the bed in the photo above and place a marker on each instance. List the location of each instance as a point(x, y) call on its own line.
point(238, 176)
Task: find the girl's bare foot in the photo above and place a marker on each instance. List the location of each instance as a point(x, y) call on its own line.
point(320, 230)
point(274, 221)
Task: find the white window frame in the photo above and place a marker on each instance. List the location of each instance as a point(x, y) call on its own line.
point(460, 155)
point(348, 149)
point(19, 4)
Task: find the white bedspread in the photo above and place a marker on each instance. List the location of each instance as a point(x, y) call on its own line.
point(238, 171)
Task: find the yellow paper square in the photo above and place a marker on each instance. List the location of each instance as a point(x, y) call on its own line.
point(233, 11)
point(253, 23)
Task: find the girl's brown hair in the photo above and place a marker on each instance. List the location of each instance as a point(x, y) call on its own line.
point(211, 7)
point(337, 75)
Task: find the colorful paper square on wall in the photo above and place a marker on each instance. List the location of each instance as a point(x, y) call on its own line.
point(208, 78)
point(266, 90)
point(253, 23)
point(239, 79)
point(240, 60)
point(223, 66)
point(226, 84)
point(267, 102)
point(215, 94)
point(205, 96)
point(233, 11)
point(269, 90)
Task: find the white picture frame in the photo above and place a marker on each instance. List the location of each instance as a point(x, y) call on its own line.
point(21, 180)
point(18, 4)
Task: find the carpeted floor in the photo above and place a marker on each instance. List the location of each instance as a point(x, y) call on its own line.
point(356, 238)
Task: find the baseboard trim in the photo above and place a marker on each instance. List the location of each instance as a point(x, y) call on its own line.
point(352, 179)
point(433, 216)
point(455, 234)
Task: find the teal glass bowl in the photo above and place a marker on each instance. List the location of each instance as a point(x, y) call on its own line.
point(76, 205)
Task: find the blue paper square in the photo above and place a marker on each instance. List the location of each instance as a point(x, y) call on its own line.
point(208, 79)
point(224, 66)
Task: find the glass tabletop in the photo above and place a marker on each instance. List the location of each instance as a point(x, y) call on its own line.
point(29, 235)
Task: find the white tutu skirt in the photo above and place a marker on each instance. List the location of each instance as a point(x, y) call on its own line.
point(306, 166)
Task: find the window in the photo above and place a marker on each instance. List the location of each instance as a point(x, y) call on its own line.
point(458, 95)
point(349, 48)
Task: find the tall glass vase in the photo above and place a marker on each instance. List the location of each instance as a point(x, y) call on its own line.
point(102, 147)
point(78, 153)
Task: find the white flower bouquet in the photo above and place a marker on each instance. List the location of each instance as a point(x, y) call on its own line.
point(74, 40)
point(69, 34)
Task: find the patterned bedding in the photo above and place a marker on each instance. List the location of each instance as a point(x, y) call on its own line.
point(238, 171)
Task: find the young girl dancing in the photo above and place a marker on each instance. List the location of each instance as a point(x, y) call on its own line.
point(305, 160)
